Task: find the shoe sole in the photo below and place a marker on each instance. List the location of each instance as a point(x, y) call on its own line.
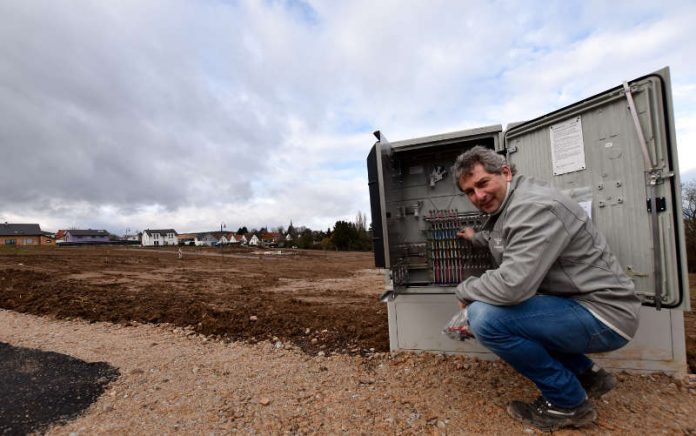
point(578, 422)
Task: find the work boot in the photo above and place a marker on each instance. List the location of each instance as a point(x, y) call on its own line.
point(597, 381)
point(547, 417)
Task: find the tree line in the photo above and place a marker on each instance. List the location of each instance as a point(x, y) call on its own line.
point(344, 236)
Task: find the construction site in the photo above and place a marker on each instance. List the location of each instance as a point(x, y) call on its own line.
point(275, 341)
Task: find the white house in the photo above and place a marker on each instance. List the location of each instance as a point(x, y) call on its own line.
point(228, 238)
point(241, 239)
point(255, 241)
point(152, 238)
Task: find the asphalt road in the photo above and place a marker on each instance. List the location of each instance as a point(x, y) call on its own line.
point(39, 388)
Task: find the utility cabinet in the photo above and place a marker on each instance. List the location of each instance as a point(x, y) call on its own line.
point(614, 153)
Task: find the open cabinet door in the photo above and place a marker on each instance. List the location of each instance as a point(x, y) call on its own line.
point(409, 180)
point(615, 153)
point(376, 161)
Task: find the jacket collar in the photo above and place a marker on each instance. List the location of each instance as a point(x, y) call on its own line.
point(511, 186)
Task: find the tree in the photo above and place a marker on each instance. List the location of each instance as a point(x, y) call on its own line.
point(242, 231)
point(361, 221)
point(689, 213)
point(306, 239)
point(344, 235)
point(326, 244)
point(364, 238)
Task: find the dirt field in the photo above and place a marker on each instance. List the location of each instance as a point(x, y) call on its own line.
point(237, 295)
point(272, 344)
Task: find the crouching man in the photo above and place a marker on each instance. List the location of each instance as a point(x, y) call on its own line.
point(557, 293)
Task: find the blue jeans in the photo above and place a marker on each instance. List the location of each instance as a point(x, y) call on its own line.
point(545, 339)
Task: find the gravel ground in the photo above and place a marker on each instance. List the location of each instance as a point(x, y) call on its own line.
point(176, 381)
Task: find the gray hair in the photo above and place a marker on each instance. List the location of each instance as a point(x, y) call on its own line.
point(492, 162)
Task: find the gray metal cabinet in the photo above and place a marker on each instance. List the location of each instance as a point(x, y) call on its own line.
point(615, 153)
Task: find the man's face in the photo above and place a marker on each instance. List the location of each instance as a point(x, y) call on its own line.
point(485, 190)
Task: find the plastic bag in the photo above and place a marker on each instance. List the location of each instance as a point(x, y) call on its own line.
point(458, 327)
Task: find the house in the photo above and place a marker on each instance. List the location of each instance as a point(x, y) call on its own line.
point(228, 238)
point(154, 238)
point(206, 240)
point(21, 235)
point(186, 238)
point(267, 238)
point(254, 240)
point(89, 236)
point(241, 239)
point(275, 236)
point(60, 236)
point(272, 239)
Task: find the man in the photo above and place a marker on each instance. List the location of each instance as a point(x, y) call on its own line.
point(558, 291)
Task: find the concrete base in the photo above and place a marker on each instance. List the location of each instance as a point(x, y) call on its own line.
point(416, 323)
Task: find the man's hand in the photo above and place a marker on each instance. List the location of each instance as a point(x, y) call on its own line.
point(458, 327)
point(466, 233)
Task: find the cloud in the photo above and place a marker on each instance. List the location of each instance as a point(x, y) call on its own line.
point(187, 114)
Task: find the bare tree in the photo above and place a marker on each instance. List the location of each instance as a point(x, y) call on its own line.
point(361, 221)
point(689, 207)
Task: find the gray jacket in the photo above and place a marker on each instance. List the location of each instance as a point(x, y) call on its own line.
point(544, 243)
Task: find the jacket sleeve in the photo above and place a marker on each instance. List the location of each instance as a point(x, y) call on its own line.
point(534, 236)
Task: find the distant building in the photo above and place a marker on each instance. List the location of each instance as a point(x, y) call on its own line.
point(131, 237)
point(89, 236)
point(272, 239)
point(22, 235)
point(60, 236)
point(206, 239)
point(186, 238)
point(228, 238)
point(153, 238)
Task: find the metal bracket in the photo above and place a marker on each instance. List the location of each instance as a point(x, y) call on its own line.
point(649, 164)
point(654, 175)
point(438, 173)
point(661, 203)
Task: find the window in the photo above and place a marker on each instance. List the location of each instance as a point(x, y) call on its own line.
point(11, 242)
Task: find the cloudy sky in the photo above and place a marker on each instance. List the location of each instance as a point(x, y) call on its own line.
point(186, 114)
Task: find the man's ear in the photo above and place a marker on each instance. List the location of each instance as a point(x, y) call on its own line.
point(507, 173)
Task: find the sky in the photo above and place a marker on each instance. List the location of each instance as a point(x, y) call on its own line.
point(132, 115)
